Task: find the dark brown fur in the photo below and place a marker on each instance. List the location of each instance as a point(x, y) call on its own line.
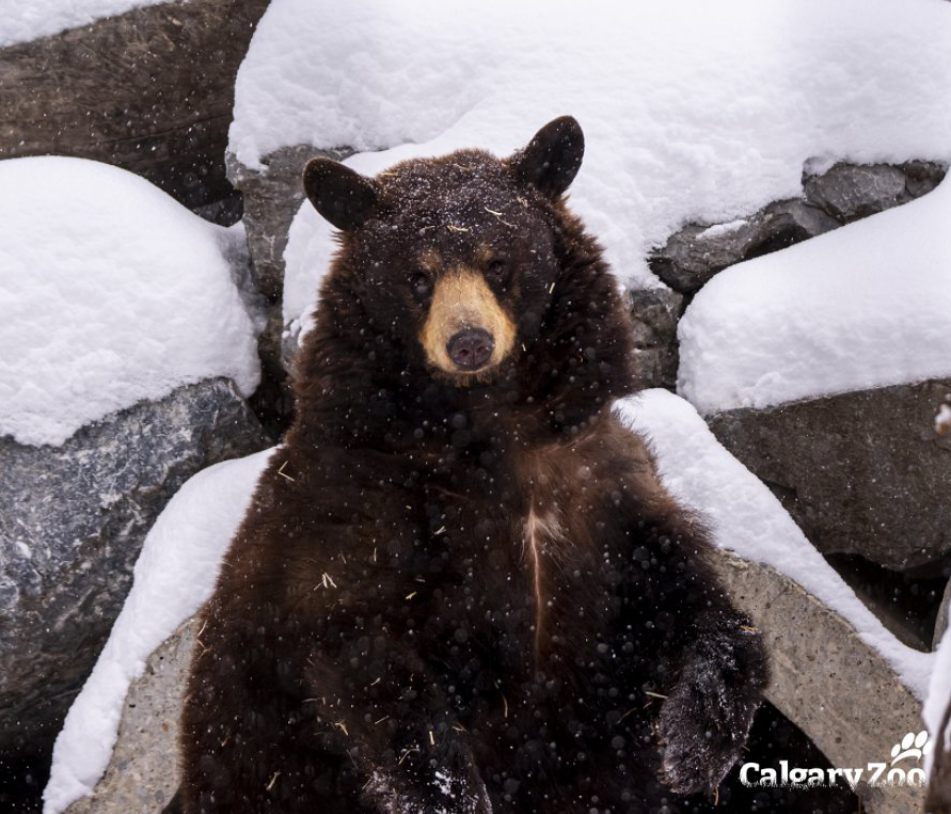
point(456, 595)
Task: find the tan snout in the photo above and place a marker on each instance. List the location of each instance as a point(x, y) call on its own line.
point(466, 332)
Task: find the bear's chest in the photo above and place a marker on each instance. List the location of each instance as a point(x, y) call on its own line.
point(528, 583)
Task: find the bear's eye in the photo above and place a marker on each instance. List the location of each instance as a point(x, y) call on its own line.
point(497, 270)
point(420, 284)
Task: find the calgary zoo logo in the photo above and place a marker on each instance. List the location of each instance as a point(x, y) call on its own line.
point(910, 748)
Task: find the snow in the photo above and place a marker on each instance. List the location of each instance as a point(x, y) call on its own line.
point(938, 702)
point(745, 517)
point(307, 257)
point(868, 305)
point(110, 292)
point(174, 575)
point(720, 229)
point(693, 111)
point(25, 21)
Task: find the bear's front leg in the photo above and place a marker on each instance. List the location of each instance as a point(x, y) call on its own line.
point(379, 704)
point(714, 665)
point(706, 718)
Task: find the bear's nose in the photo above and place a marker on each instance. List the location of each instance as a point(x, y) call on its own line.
point(471, 348)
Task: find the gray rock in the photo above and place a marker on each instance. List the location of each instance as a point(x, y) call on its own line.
point(655, 313)
point(861, 473)
point(692, 256)
point(143, 772)
point(848, 192)
point(150, 90)
point(826, 680)
point(72, 522)
point(272, 197)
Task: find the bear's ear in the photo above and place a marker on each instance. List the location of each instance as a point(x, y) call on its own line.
point(553, 157)
point(341, 195)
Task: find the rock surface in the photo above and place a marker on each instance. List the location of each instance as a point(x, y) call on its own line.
point(150, 90)
point(826, 680)
point(655, 313)
point(272, 197)
point(72, 522)
point(692, 256)
point(846, 192)
point(861, 473)
point(143, 773)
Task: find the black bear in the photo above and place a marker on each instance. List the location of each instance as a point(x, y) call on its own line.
point(460, 587)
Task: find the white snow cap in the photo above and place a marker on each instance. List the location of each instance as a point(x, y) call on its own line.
point(25, 21)
point(310, 248)
point(110, 292)
point(868, 305)
point(745, 517)
point(692, 110)
point(174, 575)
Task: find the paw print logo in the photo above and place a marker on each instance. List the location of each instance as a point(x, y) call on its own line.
point(911, 745)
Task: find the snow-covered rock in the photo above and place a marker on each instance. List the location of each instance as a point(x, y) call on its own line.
point(837, 689)
point(823, 368)
point(29, 21)
point(694, 112)
point(72, 522)
point(861, 473)
point(111, 293)
point(840, 195)
point(865, 306)
point(142, 84)
point(746, 518)
point(127, 344)
point(143, 772)
point(272, 196)
point(174, 575)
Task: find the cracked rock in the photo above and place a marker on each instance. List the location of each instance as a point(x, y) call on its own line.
point(655, 313)
point(150, 91)
point(72, 521)
point(862, 473)
point(846, 192)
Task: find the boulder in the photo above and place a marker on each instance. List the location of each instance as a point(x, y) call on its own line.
point(150, 90)
point(842, 194)
point(655, 313)
point(842, 693)
point(72, 522)
point(861, 473)
point(692, 256)
point(143, 773)
point(848, 192)
point(272, 196)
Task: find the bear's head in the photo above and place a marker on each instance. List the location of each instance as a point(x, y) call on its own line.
point(468, 271)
